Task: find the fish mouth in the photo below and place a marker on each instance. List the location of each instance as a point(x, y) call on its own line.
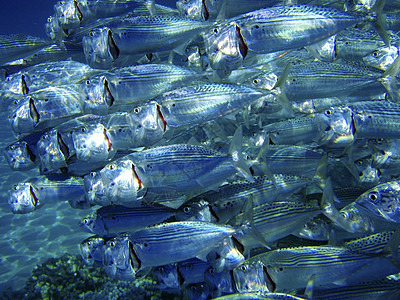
point(78, 11)
point(270, 283)
point(136, 177)
point(32, 156)
point(353, 125)
point(33, 113)
point(212, 212)
point(243, 48)
point(34, 199)
point(160, 115)
point(109, 99)
point(109, 144)
point(62, 146)
point(133, 259)
point(112, 47)
point(206, 13)
point(25, 89)
point(238, 245)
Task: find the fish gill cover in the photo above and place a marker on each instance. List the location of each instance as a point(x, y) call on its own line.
point(200, 149)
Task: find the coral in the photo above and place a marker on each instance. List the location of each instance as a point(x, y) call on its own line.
point(67, 277)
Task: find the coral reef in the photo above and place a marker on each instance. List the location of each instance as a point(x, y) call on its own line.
point(67, 277)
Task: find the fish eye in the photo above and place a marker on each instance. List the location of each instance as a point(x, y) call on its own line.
point(216, 30)
point(137, 110)
point(328, 112)
point(373, 196)
point(111, 167)
point(112, 244)
point(186, 209)
point(243, 268)
point(375, 54)
point(91, 33)
point(88, 81)
point(161, 269)
point(92, 174)
point(255, 81)
point(193, 288)
point(211, 271)
point(12, 147)
point(86, 221)
point(83, 129)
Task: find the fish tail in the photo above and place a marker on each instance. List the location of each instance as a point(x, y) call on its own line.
point(235, 151)
point(392, 248)
point(261, 159)
point(389, 80)
point(329, 208)
point(377, 20)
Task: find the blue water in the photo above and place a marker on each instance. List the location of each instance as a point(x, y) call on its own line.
point(25, 16)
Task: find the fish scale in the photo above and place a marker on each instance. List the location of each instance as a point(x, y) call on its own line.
point(376, 119)
point(200, 103)
point(291, 27)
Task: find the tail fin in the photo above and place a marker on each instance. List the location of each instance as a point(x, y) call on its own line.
point(377, 22)
point(392, 247)
point(236, 151)
point(261, 158)
point(329, 209)
point(389, 79)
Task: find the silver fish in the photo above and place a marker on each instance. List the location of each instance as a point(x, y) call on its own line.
point(13, 46)
point(382, 201)
point(113, 219)
point(291, 268)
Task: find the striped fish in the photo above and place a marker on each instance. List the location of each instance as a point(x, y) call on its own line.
point(291, 268)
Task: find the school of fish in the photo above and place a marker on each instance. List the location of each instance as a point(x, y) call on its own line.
point(232, 149)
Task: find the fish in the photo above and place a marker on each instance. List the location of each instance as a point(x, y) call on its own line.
point(178, 241)
point(290, 267)
point(75, 13)
point(13, 46)
point(104, 45)
point(31, 195)
point(45, 108)
point(110, 220)
point(181, 168)
point(381, 201)
point(42, 75)
point(167, 276)
point(134, 85)
point(275, 24)
point(91, 250)
point(20, 156)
